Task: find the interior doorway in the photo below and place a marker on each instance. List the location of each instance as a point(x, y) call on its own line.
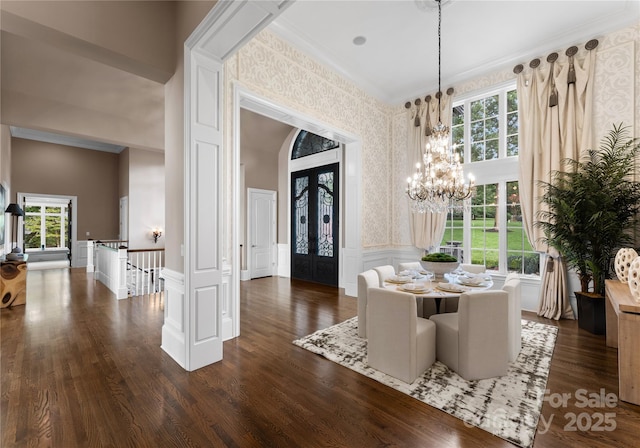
point(350, 255)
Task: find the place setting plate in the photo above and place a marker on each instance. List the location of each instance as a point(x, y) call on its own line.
point(451, 287)
point(399, 279)
point(414, 288)
point(474, 281)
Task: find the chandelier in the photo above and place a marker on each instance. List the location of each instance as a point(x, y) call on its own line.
point(438, 183)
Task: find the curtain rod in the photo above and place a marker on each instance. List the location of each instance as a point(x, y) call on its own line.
point(571, 51)
point(427, 98)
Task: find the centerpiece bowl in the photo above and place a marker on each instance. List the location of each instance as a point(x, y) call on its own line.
point(439, 264)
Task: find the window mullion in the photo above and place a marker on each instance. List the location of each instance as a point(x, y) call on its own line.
point(466, 217)
point(43, 227)
point(502, 219)
point(502, 125)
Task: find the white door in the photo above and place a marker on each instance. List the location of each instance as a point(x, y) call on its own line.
point(262, 232)
point(124, 218)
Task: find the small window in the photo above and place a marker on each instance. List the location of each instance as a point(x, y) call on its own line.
point(45, 226)
point(308, 143)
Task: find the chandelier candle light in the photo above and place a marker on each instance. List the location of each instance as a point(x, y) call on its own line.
point(438, 182)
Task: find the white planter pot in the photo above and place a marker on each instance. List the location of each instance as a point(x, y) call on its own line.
point(439, 268)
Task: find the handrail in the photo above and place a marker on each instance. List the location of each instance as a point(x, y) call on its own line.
point(159, 249)
point(139, 271)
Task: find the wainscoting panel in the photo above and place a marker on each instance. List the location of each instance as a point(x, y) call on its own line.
point(227, 308)
point(284, 260)
point(173, 329)
point(80, 256)
point(350, 263)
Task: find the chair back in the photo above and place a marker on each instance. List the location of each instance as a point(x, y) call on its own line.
point(511, 276)
point(482, 323)
point(473, 268)
point(410, 266)
point(392, 320)
point(367, 279)
point(512, 287)
point(384, 272)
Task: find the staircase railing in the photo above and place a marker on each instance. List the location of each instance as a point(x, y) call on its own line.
point(143, 271)
point(126, 272)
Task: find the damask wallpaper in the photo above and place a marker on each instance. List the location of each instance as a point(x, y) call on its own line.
point(273, 69)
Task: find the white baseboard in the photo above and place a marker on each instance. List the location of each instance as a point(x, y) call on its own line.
point(245, 275)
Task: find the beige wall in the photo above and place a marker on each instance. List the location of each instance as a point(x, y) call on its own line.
point(283, 188)
point(261, 141)
point(5, 179)
point(72, 92)
point(136, 36)
point(92, 176)
point(188, 16)
point(123, 173)
point(146, 198)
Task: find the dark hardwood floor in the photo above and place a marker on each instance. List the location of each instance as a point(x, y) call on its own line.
point(81, 369)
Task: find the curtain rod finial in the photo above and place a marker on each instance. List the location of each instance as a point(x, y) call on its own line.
point(593, 43)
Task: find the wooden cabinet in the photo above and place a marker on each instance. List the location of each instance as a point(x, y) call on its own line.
point(13, 283)
point(623, 332)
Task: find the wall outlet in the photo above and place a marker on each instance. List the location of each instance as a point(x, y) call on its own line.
point(88, 233)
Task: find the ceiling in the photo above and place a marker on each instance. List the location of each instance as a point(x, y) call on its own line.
point(398, 61)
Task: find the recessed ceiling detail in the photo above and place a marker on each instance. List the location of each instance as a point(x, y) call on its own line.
point(359, 40)
point(50, 137)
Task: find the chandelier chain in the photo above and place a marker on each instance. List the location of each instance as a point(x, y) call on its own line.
point(439, 55)
point(438, 183)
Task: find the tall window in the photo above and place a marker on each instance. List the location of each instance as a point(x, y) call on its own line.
point(485, 228)
point(44, 226)
point(485, 132)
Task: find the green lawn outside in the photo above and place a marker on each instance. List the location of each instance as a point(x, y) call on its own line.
point(483, 236)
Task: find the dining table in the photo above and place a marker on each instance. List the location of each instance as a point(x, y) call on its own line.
point(423, 286)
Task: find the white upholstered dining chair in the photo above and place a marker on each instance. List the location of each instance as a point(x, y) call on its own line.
point(367, 279)
point(473, 268)
point(514, 319)
point(410, 266)
point(384, 272)
point(473, 341)
point(400, 343)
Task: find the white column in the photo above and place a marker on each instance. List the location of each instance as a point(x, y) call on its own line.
point(90, 247)
point(121, 275)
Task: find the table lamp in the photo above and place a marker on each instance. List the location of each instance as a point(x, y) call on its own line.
point(15, 210)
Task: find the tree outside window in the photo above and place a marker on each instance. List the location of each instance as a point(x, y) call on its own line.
point(489, 231)
point(44, 226)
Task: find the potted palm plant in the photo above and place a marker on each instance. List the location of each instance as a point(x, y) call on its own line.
point(590, 210)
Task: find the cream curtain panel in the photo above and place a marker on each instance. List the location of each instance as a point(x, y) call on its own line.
point(427, 229)
point(555, 112)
